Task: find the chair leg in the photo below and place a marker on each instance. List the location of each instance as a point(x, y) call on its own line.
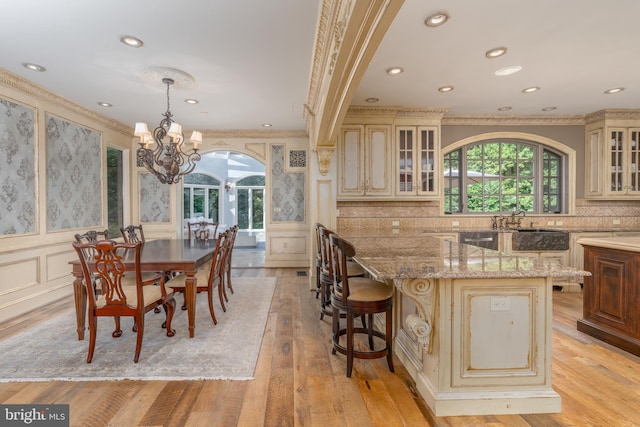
point(169, 309)
point(210, 301)
point(335, 328)
point(117, 332)
point(229, 278)
point(224, 290)
point(349, 343)
point(323, 299)
point(221, 295)
point(370, 331)
point(389, 338)
point(140, 323)
point(93, 330)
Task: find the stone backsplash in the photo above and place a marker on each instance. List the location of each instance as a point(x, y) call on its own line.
point(589, 215)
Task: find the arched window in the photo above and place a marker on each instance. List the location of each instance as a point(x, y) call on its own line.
point(250, 191)
point(500, 175)
point(201, 196)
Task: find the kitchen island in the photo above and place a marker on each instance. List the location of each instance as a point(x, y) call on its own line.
point(472, 325)
point(611, 297)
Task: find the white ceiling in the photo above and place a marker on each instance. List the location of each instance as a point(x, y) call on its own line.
point(573, 50)
point(251, 59)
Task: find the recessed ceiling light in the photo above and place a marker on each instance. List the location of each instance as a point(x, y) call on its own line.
point(104, 104)
point(507, 71)
point(549, 108)
point(445, 89)
point(394, 71)
point(531, 89)
point(614, 90)
point(507, 108)
point(436, 19)
point(191, 101)
point(131, 41)
point(267, 125)
point(34, 67)
point(495, 52)
point(372, 100)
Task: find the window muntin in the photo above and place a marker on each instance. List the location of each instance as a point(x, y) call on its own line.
point(502, 175)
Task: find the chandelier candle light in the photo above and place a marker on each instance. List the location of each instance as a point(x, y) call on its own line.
point(168, 161)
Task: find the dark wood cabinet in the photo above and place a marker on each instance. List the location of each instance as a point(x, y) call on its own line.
point(611, 304)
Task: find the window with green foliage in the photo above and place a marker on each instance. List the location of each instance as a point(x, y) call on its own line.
point(115, 179)
point(250, 191)
point(201, 196)
point(499, 176)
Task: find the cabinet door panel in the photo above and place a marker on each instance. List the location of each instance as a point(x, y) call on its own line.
point(609, 294)
point(350, 161)
point(378, 155)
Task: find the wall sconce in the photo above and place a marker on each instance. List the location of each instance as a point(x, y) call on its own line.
point(228, 186)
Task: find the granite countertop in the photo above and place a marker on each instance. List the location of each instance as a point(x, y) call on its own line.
point(630, 244)
point(415, 255)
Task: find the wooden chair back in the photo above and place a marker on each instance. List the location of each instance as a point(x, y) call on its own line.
point(340, 251)
point(201, 231)
point(132, 234)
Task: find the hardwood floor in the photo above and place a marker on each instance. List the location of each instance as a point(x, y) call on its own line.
point(299, 382)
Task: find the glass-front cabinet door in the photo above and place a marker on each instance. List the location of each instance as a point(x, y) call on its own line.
point(416, 156)
point(623, 148)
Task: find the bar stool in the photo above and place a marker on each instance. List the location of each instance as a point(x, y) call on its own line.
point(318, 258)
point(358, 296)
point(353, 269)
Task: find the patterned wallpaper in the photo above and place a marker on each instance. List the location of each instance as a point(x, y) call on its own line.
point(287, 193)
point(155, 199)
point(74, 171)
point(17, 169)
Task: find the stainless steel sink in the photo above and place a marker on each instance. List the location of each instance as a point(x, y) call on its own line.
point(539, 239)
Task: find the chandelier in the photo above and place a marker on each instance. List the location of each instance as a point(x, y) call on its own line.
point(167, 160)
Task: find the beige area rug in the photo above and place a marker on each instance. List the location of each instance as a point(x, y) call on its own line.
point(228, 350)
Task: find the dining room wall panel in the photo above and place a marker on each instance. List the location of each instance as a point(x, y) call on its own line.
point(17, 168)
point(18, 274)
point(155, 200)
point(74, 175)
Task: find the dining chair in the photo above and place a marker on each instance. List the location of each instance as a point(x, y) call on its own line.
point(208, 277)
point(116, 299)
point(201, 231)
point(358, 296)
point(132, 233)
point(227, 264)
point(326, 272)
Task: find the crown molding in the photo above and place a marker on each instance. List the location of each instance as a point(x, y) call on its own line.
point(522, 120)
point(26, 87)
point(254, 134)
point(613, 114)
point(394, 112)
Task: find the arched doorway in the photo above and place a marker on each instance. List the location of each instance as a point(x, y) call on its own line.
point(229, 188)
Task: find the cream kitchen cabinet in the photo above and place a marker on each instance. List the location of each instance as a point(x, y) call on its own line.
point(365, 161)
point(417, 151)
point(612, 164)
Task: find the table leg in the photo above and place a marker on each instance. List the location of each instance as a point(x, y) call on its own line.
point(190, 299)
point(80, 299)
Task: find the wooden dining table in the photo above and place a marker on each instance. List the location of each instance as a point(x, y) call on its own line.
point(162, 255)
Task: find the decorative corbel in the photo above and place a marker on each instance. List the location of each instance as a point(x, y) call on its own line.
point(324, 159)
point(423, 293)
